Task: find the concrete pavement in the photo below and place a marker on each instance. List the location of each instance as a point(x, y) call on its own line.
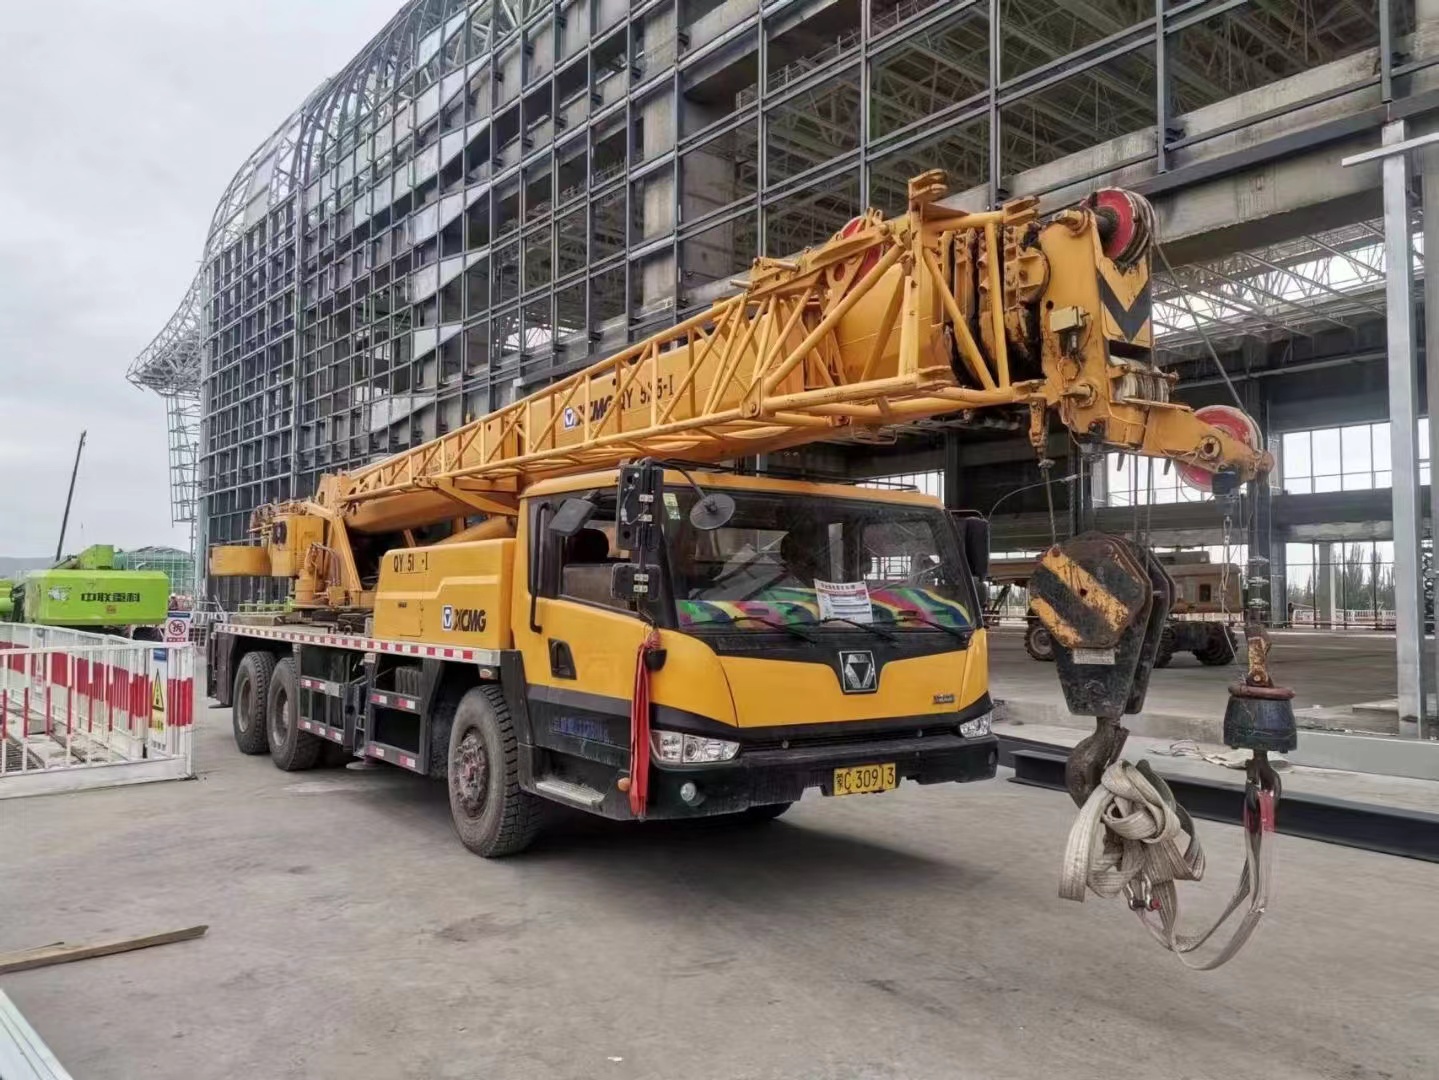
point(1324, 668)
point(911, 935)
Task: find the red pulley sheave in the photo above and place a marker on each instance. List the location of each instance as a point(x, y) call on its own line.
point(1126, 224)
point(1234, 423)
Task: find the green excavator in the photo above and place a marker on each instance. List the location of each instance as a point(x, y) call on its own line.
point(87, 591)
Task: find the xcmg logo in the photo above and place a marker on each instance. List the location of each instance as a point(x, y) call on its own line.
point(633, 397)
point(465, 620)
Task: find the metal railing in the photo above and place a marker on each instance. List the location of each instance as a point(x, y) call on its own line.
point(72, 701)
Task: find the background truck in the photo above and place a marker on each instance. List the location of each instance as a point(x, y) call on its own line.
point(87, 592)
point(1208, 605)
point(567, 601)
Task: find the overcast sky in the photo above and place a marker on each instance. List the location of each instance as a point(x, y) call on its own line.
point(122, 123)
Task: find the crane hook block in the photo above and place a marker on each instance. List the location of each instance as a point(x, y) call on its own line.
point(1105, 600)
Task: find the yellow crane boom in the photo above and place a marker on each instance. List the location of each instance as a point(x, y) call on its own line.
point(890, 321)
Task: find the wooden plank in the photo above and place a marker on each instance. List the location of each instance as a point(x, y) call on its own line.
point(64, 954)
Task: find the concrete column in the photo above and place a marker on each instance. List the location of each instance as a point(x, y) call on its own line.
point(1078, 494)
point(954, 485)
point(1429, 180)
point(1260, 538)
point(1403, 416)
point(1279, 583)
point(707, 182)
point(1326, 585)
point(656, 192)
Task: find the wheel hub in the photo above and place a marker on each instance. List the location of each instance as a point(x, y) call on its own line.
point(470, 772)
point(280, 722)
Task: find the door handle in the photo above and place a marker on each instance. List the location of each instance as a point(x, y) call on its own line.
point(562, 661)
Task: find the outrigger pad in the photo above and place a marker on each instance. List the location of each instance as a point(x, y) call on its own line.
point(1105, 601)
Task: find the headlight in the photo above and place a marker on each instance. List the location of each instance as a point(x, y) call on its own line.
point(677, 749)
point(973, 729)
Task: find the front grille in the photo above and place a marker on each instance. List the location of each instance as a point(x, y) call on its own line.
point(794, 742)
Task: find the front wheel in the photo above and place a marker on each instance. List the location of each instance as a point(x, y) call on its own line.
point(1038, 642)
point(492, 814)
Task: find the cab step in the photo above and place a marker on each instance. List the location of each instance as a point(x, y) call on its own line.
point(564, 791)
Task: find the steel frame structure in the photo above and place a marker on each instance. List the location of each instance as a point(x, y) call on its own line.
point(1334, 278)
point(492, 193)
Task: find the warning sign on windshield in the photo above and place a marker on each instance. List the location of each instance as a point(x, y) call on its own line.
point(844, 600)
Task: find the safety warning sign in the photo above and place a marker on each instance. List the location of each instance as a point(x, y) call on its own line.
point(156, 739)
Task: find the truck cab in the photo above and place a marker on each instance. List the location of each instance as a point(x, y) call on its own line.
point(822, 636)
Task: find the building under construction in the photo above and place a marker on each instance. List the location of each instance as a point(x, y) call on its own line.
point(493, 193)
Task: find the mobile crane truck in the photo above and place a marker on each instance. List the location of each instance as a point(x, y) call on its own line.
point(569, 601)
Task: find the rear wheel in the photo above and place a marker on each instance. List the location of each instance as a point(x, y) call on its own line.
point(1218, 648)
point(492, 814)
point(290, 748)
point(1165, 652)
point(252, 690)
point(1038, 642)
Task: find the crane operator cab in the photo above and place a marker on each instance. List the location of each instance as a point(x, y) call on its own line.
point(802, 635)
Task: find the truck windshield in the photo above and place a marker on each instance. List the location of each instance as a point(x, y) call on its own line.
point(804, 561)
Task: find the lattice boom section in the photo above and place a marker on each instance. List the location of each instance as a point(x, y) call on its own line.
point(847, 334)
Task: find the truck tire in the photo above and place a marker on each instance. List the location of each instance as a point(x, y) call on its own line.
point(250, 697)
point(1218, 648)
point(290, 748)
point(493, 816)
point(1038, 642)
point(1165, 652)
point(442, 721)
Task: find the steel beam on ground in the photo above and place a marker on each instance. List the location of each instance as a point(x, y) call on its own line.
point(1391, 830)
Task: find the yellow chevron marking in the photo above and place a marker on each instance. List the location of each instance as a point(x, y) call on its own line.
point(1087, 588)
point(1065, 634)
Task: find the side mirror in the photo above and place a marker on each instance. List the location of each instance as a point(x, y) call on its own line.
point(630, 581)
point(712, 512)
point(973, 533)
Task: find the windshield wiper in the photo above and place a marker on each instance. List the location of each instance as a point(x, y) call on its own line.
point(919, 617)
point(803, 635)
point(862, 625)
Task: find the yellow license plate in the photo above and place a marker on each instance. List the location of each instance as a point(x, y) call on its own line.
point(864, 778)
